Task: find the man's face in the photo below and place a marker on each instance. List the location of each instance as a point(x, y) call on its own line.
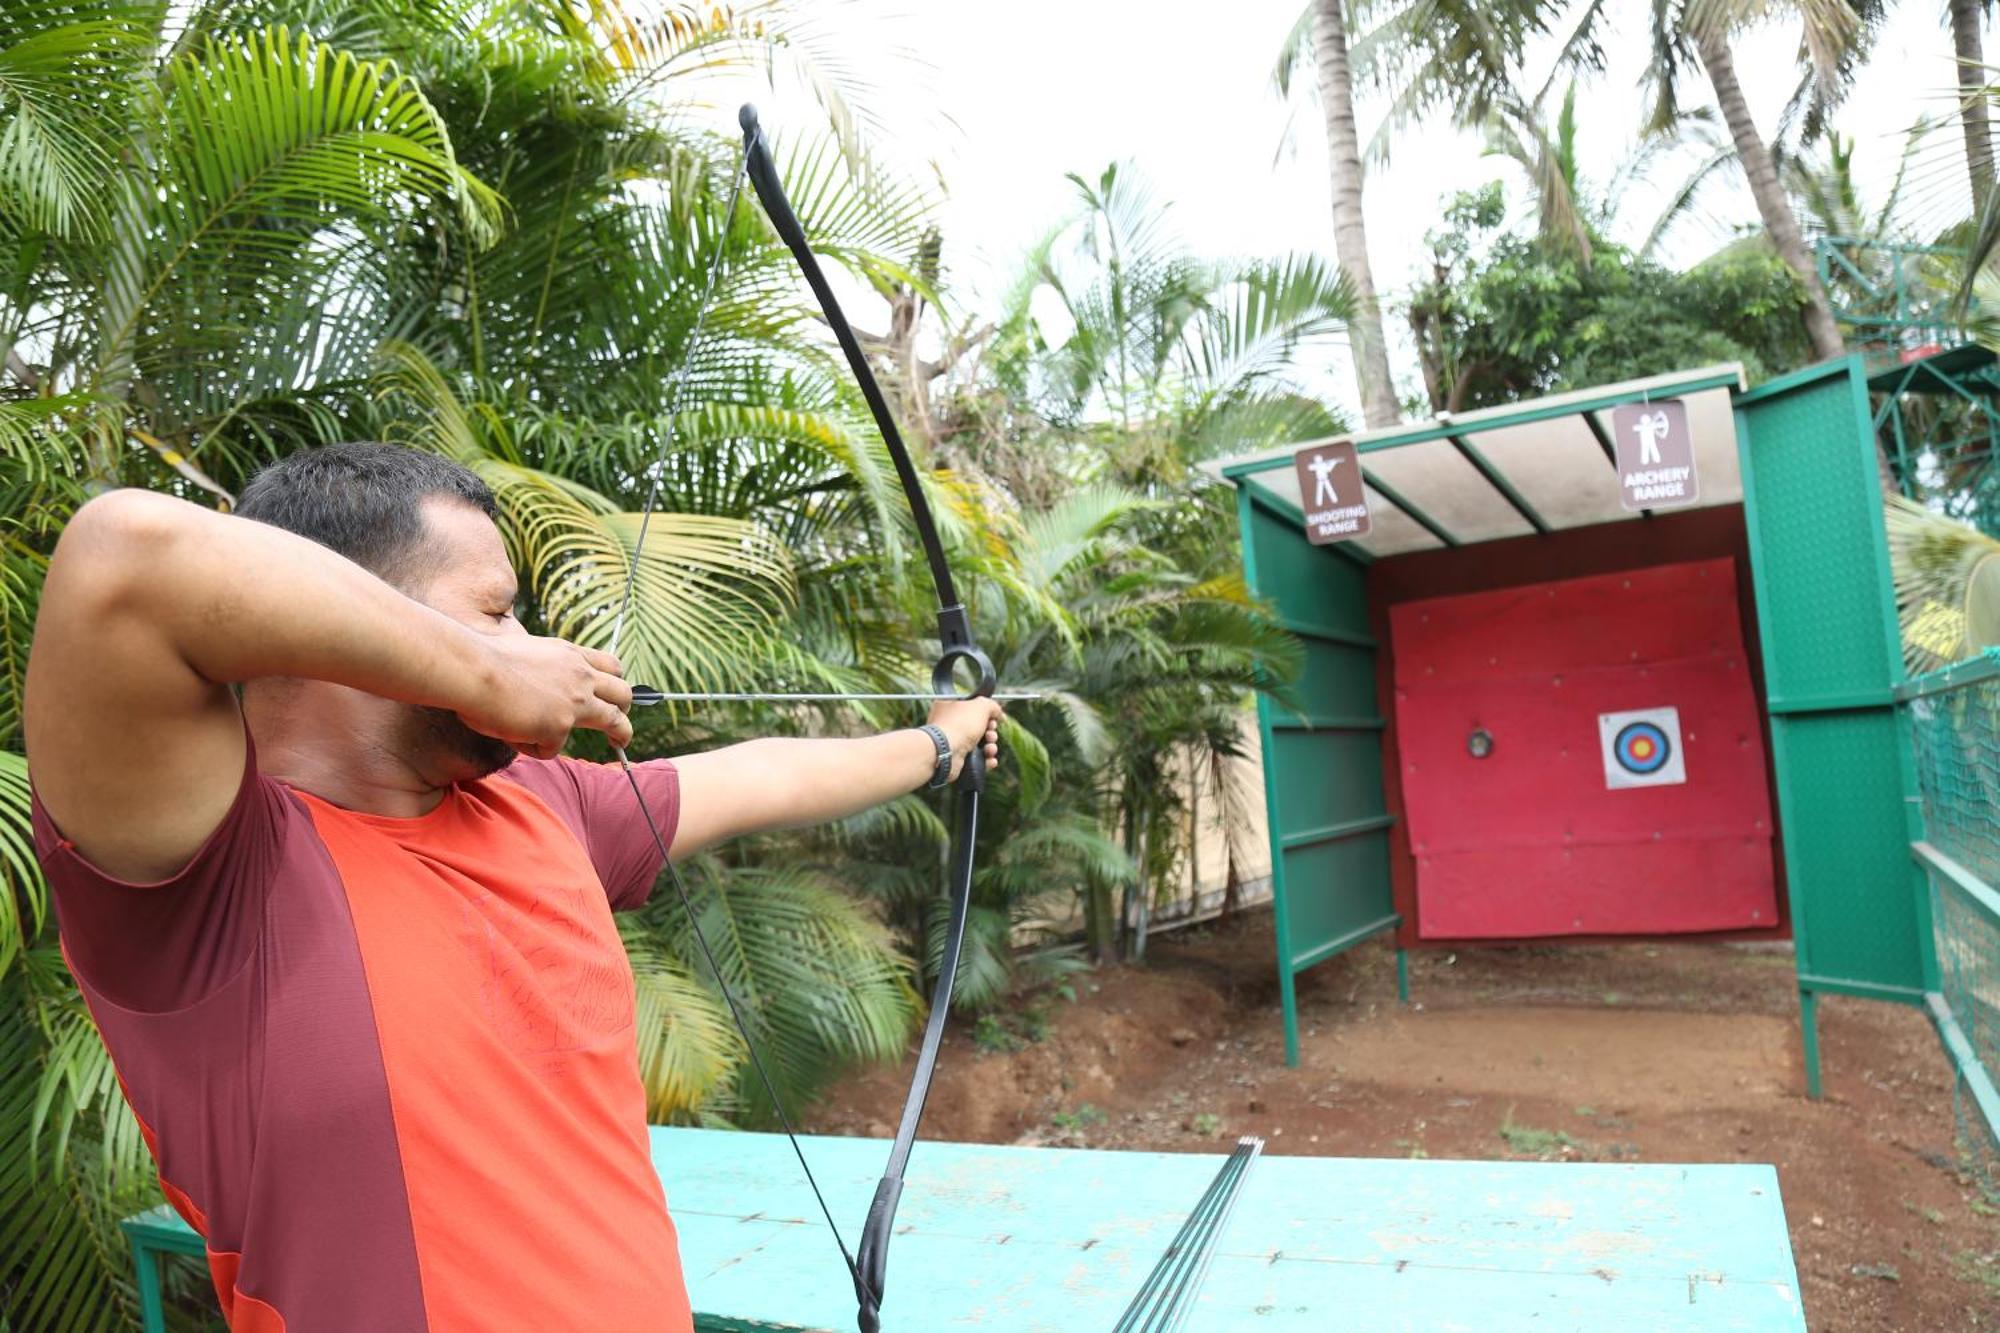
point(463, 573)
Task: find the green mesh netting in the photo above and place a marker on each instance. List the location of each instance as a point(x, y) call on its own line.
point(1956, 730)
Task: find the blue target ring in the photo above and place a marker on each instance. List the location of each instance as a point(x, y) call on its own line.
point(1642, 748)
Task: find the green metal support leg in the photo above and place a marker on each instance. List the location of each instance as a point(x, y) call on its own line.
point(152, 1311)
point(1288, 993)
point(1403, 975)
point(1809, 1030)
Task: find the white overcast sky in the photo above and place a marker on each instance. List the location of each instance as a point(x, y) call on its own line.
point(999, 101)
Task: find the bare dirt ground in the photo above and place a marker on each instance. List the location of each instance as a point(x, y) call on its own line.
point(1637, 1052)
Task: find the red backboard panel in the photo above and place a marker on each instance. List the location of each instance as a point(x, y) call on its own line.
point(1529, 840)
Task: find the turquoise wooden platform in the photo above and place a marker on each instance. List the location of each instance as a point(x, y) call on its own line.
point(1038, 1239)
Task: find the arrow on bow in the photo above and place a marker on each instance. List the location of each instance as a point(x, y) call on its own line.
point(868, 1264)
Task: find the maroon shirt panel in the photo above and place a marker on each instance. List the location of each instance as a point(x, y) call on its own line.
point(233, 1002)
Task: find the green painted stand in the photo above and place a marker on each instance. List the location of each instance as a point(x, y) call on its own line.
point(1040, 1240)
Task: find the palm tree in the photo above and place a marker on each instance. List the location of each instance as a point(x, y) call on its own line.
point(1967, 17)
point(1517, 131)
point(1167, 360)
point(1686, 32)
point(1321, 36)
point(1426, 55)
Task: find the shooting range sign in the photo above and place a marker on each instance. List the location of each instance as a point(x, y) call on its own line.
point(1331, 492)
point(1655, 455)
point(1642, 748)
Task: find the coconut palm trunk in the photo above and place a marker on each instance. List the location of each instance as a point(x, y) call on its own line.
point(1965, 42)
point(1350, 234)
point(1772, 206)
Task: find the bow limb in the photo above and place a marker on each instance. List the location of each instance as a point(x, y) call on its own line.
point(954, 630)
point(956, 646)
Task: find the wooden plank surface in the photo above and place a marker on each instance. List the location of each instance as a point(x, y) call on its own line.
point(1031, 1239)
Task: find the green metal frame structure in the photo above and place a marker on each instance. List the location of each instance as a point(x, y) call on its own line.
point(1832, 656)
point(1937, 395)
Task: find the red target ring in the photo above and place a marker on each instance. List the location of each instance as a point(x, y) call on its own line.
point(1642, 748)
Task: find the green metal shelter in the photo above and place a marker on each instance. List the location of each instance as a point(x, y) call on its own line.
point(1475, 511)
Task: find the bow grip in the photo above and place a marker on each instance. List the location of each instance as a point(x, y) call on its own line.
point(955, 633)
point(871, 1258)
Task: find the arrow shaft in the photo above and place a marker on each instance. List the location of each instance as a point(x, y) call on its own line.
point(643, 697)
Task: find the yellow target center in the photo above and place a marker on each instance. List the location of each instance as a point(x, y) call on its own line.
point(1642, 748)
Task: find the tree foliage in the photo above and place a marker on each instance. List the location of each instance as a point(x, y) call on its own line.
point(1504, 316)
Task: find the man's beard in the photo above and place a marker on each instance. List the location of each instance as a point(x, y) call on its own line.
point(442, 741)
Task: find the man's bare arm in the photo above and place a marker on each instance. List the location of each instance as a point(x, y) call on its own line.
point(153, 607)
point(786, 783)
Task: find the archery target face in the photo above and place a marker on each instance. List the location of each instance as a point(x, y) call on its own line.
point(1642, 748)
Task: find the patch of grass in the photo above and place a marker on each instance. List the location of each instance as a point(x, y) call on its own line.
point(991, 1035)
point(1530, 1141)
point(1082, 1117)
point(1587, 1112)
point(1207, 1124)
point(1981, 1270)
point(1004, 1033)
point(1930, 1215)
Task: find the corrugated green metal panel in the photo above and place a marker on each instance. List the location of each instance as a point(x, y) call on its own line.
point(1306, 582)
point(1322, 757)
point(1338, 889)
point(1813, 505)
point(1337, 685)
point(1816, 542)
point(1329, 777)
point(1847, 851)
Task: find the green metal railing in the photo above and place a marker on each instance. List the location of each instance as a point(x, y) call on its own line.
point(1893, 298)
point(1936, 392)
point(1954, 718)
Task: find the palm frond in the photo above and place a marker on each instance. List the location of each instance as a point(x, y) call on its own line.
point(265, 140)
point(23, 894)
point(689, 1047)
point(66, 76)
point(821, 985)
point(1947, 577)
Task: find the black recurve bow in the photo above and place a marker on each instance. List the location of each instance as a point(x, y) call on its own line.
point(867, 1265)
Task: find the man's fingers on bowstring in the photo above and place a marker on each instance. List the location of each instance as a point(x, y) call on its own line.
point(600, 714)
point(613, 690)
point(602, 661)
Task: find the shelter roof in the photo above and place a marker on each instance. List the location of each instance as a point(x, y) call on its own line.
point(1541, 465)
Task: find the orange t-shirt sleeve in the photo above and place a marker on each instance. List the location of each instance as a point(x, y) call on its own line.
point(596, 802)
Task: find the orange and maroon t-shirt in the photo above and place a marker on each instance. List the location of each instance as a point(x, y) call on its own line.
point(387, 1067)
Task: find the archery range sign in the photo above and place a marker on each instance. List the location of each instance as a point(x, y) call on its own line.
point(1655, 452)
point(1331, 492)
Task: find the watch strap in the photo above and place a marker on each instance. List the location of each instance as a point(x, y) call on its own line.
point(941, 775)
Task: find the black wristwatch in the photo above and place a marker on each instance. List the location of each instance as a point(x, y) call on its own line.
point(942, 775)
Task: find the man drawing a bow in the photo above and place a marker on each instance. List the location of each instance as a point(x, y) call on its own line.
point(344, 916)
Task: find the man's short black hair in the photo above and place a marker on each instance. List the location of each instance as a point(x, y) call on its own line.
point(364, 500)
